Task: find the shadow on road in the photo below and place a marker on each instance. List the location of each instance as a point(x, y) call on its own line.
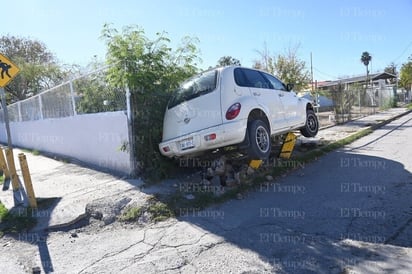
point(37, 237)
point(336, 209)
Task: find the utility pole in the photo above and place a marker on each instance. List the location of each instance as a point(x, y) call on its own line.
point(311, 71)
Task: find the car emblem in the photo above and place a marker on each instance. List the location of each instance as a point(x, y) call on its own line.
point(186, 120)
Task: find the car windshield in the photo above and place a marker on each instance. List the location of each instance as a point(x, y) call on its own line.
point(199, 85)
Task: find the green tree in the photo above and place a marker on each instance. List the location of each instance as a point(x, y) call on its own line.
point(228, 61)
point(151, 69)
point(39, 69)
point(406, 75)
point(287, 66)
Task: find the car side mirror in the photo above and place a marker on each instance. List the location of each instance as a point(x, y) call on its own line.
point(289, 87)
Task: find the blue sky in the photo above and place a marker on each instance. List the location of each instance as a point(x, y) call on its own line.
point(336, 32)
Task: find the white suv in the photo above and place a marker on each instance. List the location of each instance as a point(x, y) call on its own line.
point(233, 106)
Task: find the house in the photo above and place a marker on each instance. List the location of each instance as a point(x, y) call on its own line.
point(376, 90)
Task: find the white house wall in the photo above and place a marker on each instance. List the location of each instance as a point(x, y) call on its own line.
point(90, 138)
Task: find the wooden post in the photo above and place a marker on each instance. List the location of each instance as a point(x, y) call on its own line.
point(12, 169)
point(27, 180)
point(3, 165)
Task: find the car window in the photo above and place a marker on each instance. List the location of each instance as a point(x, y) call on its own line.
point(240, 79)
point(197, 86)
point(276, 83)
point(251, 78)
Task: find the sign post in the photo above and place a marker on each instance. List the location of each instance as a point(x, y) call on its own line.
point(8, 70)
point(6, 116)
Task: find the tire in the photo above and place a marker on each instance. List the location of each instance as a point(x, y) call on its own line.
point(311, 127)
point(259, 137)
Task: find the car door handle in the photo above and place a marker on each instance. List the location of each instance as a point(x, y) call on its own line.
point(256, 93)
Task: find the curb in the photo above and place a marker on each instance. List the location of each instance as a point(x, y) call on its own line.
point(380, 124)
point(383, 123)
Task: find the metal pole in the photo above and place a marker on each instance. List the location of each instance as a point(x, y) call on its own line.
point(6, 117)
point(73, 100)
point(130, 118)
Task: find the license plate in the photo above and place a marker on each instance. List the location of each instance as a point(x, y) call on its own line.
point(186, 144)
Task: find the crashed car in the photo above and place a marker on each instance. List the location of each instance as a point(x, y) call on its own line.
point(233, 106)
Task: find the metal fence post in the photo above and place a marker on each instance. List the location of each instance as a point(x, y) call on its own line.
point(40, 107)
point(19, 111)
point(72, 95)
point(130, 130)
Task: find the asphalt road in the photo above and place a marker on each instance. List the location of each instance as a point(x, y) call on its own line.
point(348, 212)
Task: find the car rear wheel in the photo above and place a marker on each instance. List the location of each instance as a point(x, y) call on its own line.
point(311, 127)
point(259, 137)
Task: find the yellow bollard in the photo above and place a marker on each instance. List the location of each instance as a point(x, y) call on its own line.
point(3, 165)
point(27, 180)
point(12, 169)
point(288, 145)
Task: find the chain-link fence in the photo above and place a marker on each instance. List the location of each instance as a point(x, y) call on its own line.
point(86, 94)
point(351, 101)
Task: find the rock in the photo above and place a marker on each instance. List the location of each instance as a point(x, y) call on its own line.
point(205, 182)
point(269, 177)
point(210, 172)
point(250, 171)
point(189, 196)
point(74, 235)
point(231, 182)
point(237, 177)
point(220, 166)
point(106, 209)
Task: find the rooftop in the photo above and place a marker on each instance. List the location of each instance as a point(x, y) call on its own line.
point(358, 79)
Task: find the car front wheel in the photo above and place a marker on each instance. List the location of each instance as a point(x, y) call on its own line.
point(311, 127)
point(259, 137)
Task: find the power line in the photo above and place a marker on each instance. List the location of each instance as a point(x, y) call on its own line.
point(325, 74)
point(403, 52)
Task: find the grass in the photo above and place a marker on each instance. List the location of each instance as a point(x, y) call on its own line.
point(32, 151)
point(3, 211)
point(157, 212)
point(16, 222)
point(131, 214)
point(409, 106)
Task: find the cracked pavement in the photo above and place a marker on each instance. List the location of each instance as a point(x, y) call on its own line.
point(352, 214)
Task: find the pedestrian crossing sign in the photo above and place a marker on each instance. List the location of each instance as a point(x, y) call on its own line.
point(8, 70)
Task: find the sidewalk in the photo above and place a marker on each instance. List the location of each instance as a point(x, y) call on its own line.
point(75, 186)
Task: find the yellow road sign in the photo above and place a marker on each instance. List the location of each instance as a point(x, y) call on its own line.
point(8, 70)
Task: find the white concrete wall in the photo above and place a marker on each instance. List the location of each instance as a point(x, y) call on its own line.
point(90, 138)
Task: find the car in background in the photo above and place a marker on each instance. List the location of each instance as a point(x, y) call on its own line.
point(233, 106)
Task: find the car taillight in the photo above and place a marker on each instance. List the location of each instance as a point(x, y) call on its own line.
point(210, 137)
point(166, 149)
point(233, 111)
